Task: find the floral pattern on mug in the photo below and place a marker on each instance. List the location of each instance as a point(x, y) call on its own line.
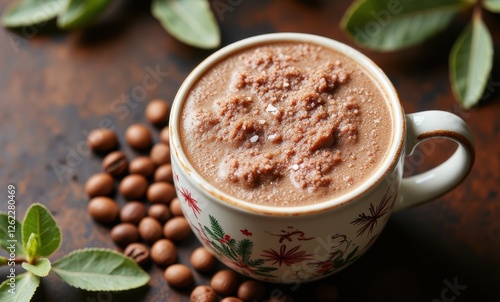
point(190, 201)
point(341, 253)
point(286, 257)
point(369, 221)
point(238, 252)
point(285, 250)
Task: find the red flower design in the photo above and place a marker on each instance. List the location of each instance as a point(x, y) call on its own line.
point(192, 203)
point(325, 267)
point(288, 258)
point(225, 239)
point(246, 232)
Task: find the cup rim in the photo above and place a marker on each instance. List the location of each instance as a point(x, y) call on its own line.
point(389, 162)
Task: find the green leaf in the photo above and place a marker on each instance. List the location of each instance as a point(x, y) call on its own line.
point(352, 254)
point(26, 285)
point(216, 227)
point(41, 268)
point(266, 269)
point(80, 12)
point(244, 249)
point(471, 60)
point(40, 222)
point(255, 262)
point(3, 260)
point(32, 247)
point(32, 12)
point(190, 21)
point(97, 269)
point(492, 5)
point(11, 235)
point(389, 25)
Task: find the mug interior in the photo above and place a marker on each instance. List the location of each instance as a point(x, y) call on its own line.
point(390, 158)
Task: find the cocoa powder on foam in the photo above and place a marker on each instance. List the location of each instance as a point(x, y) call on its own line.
point(285, 124)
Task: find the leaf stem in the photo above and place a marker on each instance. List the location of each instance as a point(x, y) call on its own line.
point(477, 14)
point(18, 261)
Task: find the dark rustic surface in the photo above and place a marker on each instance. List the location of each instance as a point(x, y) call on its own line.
point(55, 88)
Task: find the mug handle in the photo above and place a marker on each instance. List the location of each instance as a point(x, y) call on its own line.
point(428, 185)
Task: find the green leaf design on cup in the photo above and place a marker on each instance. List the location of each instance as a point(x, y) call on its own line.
point(239, 252)
point(97, 269)
point(471, 60)
point(190, 21)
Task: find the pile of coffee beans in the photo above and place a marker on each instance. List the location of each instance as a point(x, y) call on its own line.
point(150, 224)
point(151, 219)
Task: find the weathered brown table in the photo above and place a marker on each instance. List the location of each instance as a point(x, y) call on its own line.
point(55, 88)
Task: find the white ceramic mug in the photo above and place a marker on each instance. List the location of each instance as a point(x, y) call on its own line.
point(309, 242)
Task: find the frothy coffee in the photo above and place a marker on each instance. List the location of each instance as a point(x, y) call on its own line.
point(286, 124)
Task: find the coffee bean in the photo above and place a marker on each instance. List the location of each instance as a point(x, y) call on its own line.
point(160, 154)
point(179, 275)
point(177, 228)
point(103, 209)
point(133, 186)
point(251, 290)
point(161, 192)
point(100, 184)
point(150, 229)
point(164, 252)
point(133, 212)
point(203, 293)
point(124, 234)
point(160, 212)
point(115, 163)
point(142, 165)
point(231, 299)
point(138, 252)
point(165, 135)
point(175, 207)
point(157, 112)
point(202, 260)
point(326, 292)
point(225, 282)
point(102, 140)
point(164, 173)
point(138, 136)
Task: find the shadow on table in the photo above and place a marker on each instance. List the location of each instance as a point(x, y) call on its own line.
point(408, 264)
